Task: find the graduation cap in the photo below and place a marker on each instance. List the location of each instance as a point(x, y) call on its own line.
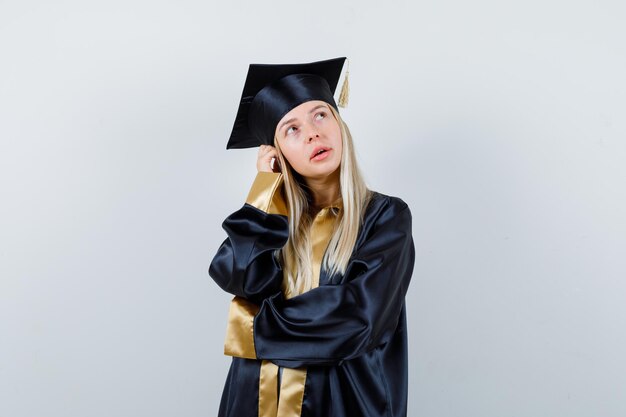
point(272, 90)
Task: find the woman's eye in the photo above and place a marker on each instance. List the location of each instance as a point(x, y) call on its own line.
point(323, 114)
point(289, 129)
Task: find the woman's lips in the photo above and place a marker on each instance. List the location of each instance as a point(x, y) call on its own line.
point(321, 156)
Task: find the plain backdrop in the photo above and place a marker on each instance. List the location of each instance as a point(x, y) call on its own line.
point(501, 124)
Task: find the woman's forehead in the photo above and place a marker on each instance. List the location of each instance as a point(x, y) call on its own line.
point(309, 106)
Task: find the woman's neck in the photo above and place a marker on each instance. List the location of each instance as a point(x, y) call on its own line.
point(324, 191)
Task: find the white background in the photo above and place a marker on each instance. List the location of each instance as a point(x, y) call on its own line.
point(501, 124)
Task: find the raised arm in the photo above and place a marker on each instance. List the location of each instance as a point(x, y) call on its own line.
point(244, 264)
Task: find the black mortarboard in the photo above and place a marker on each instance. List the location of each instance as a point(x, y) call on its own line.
point(272, 90)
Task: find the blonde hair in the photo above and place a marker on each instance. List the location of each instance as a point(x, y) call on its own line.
point(295, 256)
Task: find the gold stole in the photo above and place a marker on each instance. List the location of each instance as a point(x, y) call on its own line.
point(289, 403)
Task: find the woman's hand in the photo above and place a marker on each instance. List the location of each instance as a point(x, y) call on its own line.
point(264, 159)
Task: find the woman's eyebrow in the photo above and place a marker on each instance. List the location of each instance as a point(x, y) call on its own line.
point(294, 119)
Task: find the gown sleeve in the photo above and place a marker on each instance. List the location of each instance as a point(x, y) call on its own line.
point(332, 323)
point(244, 264)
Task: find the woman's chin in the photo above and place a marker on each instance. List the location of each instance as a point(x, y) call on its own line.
point(321, 172)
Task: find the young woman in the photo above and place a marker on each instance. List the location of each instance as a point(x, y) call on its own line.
point(318, 263)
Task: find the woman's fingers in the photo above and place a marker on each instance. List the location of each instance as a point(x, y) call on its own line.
point(265, 149)
point(264, 158)
point(267, 152)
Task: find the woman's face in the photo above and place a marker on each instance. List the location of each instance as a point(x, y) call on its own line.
point(305, 130)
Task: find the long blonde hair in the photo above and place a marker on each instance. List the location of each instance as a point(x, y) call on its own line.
point(295, 256)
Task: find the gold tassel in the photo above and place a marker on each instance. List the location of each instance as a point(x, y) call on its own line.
point(345, 88)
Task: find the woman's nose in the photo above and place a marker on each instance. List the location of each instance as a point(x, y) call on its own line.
point(312, 132)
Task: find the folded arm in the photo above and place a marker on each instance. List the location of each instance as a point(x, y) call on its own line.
point(332, 323)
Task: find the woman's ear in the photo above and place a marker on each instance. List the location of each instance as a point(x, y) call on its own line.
point(275, 165)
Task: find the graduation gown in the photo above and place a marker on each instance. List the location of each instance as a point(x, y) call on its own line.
point(339, 349)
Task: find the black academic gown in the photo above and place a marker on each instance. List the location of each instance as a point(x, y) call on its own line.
point(341, 346)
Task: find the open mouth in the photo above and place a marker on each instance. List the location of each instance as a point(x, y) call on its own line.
point(319, 152)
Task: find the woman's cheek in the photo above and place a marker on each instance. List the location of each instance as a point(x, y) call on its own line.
point(294, 158)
